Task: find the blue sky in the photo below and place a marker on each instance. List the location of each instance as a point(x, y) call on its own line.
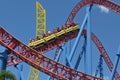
point(18, 18)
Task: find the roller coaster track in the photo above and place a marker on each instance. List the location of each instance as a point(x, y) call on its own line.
point(51, 41)
point(51, 67)
point(99, 46)
point(103, 53)
point(33, 58)
point(106, 3)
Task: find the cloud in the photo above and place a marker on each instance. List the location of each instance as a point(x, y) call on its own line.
point(103, 9)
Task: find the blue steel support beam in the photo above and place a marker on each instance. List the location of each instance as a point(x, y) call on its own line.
point(57, 58)
point(68, 59)
point(85, 58)
point(100, 67)
point(88, 50)
point(68, 63)
point(116, 64)
point(3, 59)
point(19, 67)
point(81, 54)
point(80, 33)
point(78, 38)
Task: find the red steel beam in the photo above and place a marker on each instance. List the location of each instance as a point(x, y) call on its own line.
point(106, 3)
point(103, 53)
point(54, 43)
point(109, 4)
point(33, 58)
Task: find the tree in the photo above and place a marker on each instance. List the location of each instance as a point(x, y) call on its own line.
point(7, 75)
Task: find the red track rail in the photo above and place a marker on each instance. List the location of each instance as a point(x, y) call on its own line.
point(103, 53)
point(109, 4)
point(99, 46)
point(33, 58)
point(101, 49)
point(106, 3)
point(49, 45)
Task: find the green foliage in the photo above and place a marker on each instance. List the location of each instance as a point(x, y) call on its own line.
point(7, 75)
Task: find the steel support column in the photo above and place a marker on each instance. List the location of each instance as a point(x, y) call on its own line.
point(116, 64)
point(88, 50)
point(78, 37)
point(3, 59)
point(19, 67)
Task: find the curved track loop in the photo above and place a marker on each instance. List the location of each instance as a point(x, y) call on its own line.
point(109, 4)
point(103, 52)
point(106, 3)
point(33, 58)
point(55, 39)
point(101, 49)
point(52, 43)
point(99, 46)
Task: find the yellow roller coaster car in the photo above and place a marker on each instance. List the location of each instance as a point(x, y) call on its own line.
point(53, 35)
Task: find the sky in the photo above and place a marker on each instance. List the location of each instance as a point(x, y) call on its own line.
point(18, 18)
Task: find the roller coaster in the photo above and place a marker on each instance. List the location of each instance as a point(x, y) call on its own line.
point(33, 53)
